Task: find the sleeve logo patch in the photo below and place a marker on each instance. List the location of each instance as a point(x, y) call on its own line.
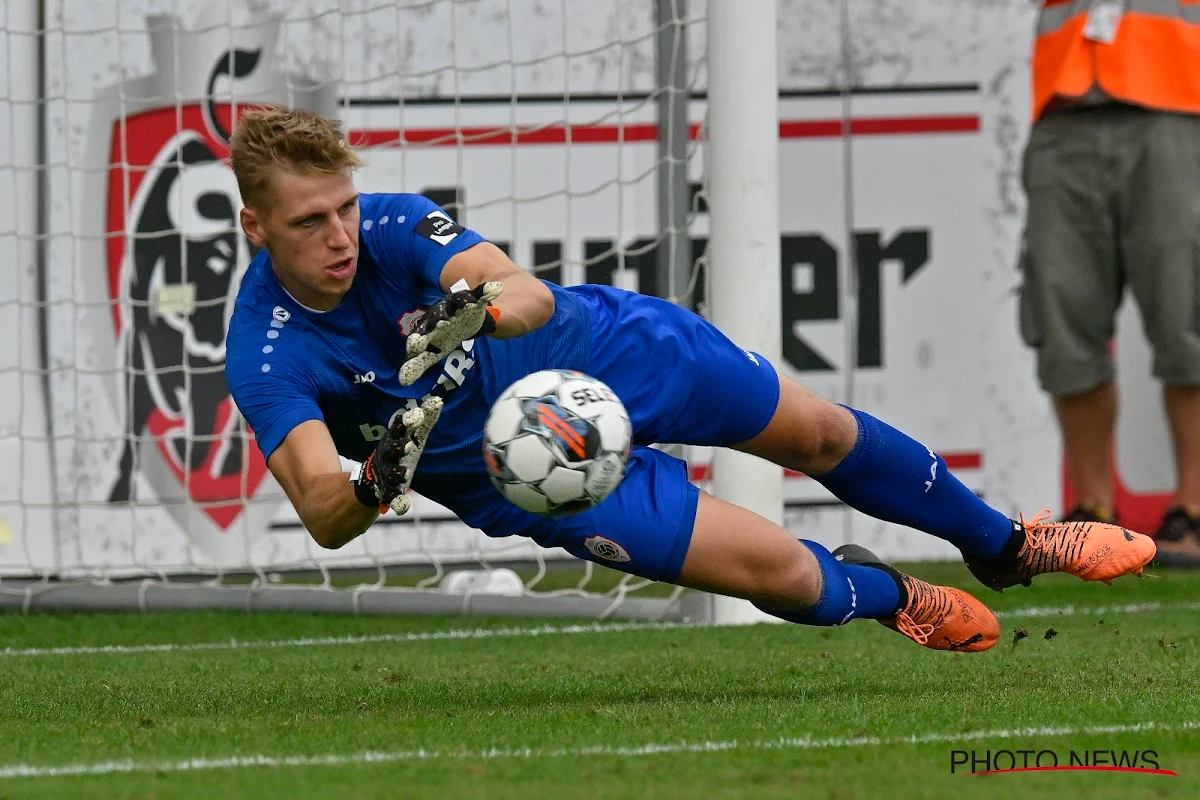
point(606, 548)
point(409, 320)
point(438, 227)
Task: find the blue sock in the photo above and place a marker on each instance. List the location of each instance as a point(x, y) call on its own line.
point(894, 478)
point(848, 591)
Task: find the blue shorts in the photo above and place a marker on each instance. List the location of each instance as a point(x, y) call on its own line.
point(682, 382)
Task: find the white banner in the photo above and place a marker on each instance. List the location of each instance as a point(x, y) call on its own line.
point(906, 229)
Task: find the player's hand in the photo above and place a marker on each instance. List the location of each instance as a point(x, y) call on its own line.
point(387, 473)
point(446, 324)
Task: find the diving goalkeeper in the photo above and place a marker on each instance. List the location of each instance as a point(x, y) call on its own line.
point(374, 327)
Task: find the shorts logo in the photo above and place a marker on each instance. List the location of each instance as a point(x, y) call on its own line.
point(438, 227)
point(603, 547)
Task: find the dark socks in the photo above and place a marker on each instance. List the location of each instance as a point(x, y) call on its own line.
point(895, 478)
point(848, 591)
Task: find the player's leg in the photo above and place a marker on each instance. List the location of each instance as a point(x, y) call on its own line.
point(880, 471)
point(740, 554)
point(684, 381)
point(658, 525)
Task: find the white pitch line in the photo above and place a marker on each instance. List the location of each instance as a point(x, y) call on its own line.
point(326, 641)
point(502, 633)
point(1077, 611)
point(11, 771)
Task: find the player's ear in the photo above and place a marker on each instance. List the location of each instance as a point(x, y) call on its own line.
point(252, 227)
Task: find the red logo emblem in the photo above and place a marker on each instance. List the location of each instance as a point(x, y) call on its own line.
point(173, 281)
point(175, 256)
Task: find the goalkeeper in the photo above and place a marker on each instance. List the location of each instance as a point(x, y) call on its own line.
point(375, 328)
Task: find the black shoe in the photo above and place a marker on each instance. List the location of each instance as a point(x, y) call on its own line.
point(1178, 539)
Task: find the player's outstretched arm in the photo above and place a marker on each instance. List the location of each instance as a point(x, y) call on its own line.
point(487, 295)
point(525, 305)
point(309, 470)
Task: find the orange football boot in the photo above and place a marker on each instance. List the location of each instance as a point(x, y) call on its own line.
point(1091, 551)
point(937, 617)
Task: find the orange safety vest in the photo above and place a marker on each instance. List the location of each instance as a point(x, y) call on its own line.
point(1154, 61)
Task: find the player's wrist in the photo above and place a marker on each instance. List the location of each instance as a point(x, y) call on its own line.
point(491, 320)
point(365, 489)
point(366, 494)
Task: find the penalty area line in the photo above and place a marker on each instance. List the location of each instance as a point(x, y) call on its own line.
point(1079, 611)
point(13, 771)
point(510, 632)
point(333, 641)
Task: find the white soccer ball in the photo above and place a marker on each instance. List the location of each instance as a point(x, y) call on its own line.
point(557, 442)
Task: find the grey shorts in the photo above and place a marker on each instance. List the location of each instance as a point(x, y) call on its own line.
point(1114, 199)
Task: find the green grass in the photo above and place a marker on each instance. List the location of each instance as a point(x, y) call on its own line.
point(558, 694)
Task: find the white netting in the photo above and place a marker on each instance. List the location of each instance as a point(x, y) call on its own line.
point(900, 131)
point(533, 122)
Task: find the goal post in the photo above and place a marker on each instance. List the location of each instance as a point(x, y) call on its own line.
point(742, 170)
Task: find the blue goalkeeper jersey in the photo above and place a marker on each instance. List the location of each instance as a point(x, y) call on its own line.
point(679, 378)
point(286, 364)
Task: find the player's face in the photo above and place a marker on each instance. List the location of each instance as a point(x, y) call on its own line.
point(311, 233)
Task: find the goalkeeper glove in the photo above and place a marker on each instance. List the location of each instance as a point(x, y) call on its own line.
point(449, 322)
point(385, 476)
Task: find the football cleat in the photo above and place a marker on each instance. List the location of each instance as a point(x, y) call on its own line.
point(1091, 551)
point(937, 617)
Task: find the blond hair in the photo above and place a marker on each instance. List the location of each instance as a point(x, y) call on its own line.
point(298, 141)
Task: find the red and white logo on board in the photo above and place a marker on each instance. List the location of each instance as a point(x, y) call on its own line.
point(175, 254)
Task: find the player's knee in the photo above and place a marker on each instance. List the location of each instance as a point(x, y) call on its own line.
point(823, 440)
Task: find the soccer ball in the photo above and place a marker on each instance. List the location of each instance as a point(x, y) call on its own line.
point(557, 442)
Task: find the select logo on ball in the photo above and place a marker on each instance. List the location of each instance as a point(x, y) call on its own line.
point(606, 548)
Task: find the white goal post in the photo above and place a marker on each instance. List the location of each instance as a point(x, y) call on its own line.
point(742, 170)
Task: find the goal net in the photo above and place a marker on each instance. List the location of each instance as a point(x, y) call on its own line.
point(136, 482)
point(576, 136)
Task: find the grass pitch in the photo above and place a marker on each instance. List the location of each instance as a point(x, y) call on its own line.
point(88, 710)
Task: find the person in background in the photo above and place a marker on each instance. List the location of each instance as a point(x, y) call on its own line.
point(1112, 175)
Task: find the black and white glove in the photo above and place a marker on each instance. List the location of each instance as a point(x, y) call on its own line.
point(449, 322)
point(384, 477)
